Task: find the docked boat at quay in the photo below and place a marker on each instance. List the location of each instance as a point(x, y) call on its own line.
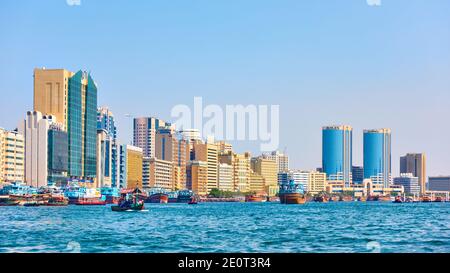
point(292, 193)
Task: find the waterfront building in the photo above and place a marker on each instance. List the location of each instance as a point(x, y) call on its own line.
point(268, 169)
point(208, 152)
point(358, 174)
point(241, 169)
point(108, 149)
point(299, 177)
point(317, 182)
point(337, 153)
point(72, 99)
point(224, 147)
point(225, 177)
point(46, 150)
point(144, 134)
point(416, 165)
point(257, 182)
point(439, 183)
point(197, 177)
point(131, 161)
point(409, 182)
point(377, 156)
point(367, 188)
point(170, 146)
point(160, 174)
point(12, 153)
point(282, 160)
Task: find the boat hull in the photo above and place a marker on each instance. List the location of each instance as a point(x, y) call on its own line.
point(292, 198)
point(126, 209)
point(158, 199)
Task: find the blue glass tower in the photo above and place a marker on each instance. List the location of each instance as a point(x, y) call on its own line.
point(377, 156)
point(337, 153)
point(81, 126)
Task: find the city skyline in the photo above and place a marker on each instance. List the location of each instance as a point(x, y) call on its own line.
point(393, 86)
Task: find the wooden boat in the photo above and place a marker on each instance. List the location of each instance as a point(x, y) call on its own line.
point(255, 198)
point(398, 200)
point(321, 199)
point(57, 201)
point(90, 202)
point(130, 200)
point(194, 201)
point(292, 198)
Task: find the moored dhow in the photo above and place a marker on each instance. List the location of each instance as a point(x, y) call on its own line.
point(292, 193)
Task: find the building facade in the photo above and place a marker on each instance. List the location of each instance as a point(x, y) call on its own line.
point(439, 183)
point(131, 162)
point(377, 156)
point(241, 169)
point(208, 152)
point(226, 177)
point(12, 156)
point(282, 160)
point(416, 165)
point(160, 174)
point(337, 153)
point(358, 174)
point(409, 182)
point(257, 183)
point(144, 134)
point(72, 99)
point(268, 169)
point(197, 177)
point(108, 149)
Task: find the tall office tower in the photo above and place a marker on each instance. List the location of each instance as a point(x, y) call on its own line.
point(144, 135)
point(170, 146)
point(241, 169)
point(409, 182)
point(208, 152)
point(358, 174)
point(282, 160)
point(268, 169)
point(131, 162)
point(12, 153)
point(377, 156)
point(416, 165)
point(197, 177)
point(337, 153)
point(108, 149)
point(72, 99)
point(46, 150)
point(226, 177)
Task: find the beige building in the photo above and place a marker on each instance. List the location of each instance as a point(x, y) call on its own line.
point(257, 183)
point(208, 152)
point(226, 177)
point(12, 153)
point(224, 147)
point(134, 159)
point(160, 174)
point(282, 160)
point(197, 177)
point(241, 169)
point(170, 146)
point(268, 168)
point(317, 182)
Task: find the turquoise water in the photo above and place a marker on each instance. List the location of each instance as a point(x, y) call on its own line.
point(239, 227)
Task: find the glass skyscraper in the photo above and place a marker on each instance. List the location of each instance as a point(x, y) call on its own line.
point(377, 156)
point(337, 153)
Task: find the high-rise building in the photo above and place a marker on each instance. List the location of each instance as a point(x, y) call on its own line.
point(207, 152)
point(268, 169)
point(197, 177)
point(282, 160)
point(416, 165)
point(337, 153)
point(317, 182)
point(72, 99)
point(131, 162)
point(409, 182)
point(170, 146)
point(160, 174)
point(191, 135)
point(358, 174)
point(108, 149)
point(144, 135)
point(224, 147)
point(377, 156)
point(226, 177)
point(12, 153)
point(439, 183)
point(241, 169)
point(46, 150)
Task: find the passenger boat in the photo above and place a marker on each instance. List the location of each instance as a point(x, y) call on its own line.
point(398, 200)
point(426, 199)
point(361, 199)
point(292, 193)
point(57, 201)
point(158, 198)
point(185, 196)
point(130, 200)
point(110, 195)
point(173, 197)
point(438, 199)
point(90, 202)
point(322, 199)
point(193, 201)
point(254, 198)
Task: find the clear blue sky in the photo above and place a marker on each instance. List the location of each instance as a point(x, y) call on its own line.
point(324, 62)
